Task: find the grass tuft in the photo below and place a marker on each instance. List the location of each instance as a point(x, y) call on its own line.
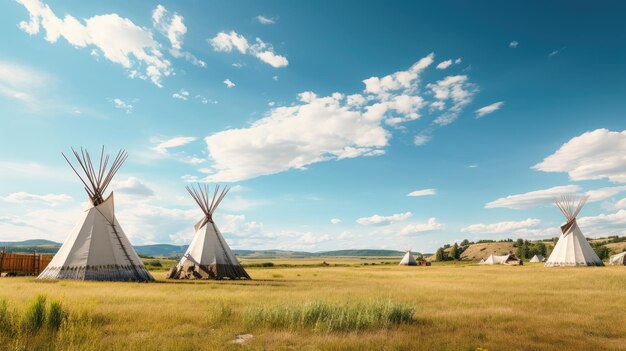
point(325, 317)
point(56, 315)
point(35, 315)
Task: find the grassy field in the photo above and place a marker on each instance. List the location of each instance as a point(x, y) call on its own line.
point(346, 305)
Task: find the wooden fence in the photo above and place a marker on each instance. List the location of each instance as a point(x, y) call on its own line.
point(12, 263)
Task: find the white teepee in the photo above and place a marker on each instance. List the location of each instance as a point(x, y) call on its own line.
point(572, 249)
point(537, 258)
point(97, 248)
point(208, 255)
point(408, 259)
point(618, 260)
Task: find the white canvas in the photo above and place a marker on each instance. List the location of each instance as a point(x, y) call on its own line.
point(97, 249)
point(408, 260)
point(618, 260)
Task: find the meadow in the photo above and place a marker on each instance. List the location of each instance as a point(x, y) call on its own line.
point(342, 304)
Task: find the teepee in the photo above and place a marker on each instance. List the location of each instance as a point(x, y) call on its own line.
point(408, 259)
point(208, 255)
point(537, 258)
point(97, 248)
point(618, 260)
point(572, 249)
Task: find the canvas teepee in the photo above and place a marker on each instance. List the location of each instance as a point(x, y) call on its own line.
point(618, 260)
point(208, 255)
point(408, 259)
point(97, 248)
point(537, 258)
point(572, 249)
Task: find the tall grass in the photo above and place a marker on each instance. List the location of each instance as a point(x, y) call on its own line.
point(326, 317)
point(35, 315)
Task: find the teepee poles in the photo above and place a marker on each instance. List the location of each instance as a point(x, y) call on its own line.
point(96, 182)
point(201, 196)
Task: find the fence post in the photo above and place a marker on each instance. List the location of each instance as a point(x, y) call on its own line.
point(4, 252)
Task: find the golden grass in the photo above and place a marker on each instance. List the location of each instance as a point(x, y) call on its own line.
point(457, 306)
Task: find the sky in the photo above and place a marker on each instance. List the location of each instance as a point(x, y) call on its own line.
point(337, 125)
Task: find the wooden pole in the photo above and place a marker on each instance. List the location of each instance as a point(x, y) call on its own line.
point(4, 252)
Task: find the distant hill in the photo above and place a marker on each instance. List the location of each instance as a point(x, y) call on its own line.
point(168, 250)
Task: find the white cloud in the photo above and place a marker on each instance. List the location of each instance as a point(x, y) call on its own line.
point(444, 64)
point(226, 42)
point(229, 83)
point(421, 139)
point(265, 20)
point(49, 199)
point(604, 224)
point(508, 227)
point(275, 77)
point(533, 198)
point(419, 228)
point(123, 105)
point(21, 83)
point(384, 220)
point(454, 89)
point(132, 186)
point(604, 193)
point(458, 61)
point(556, 52)
point(335, 221)
point(513, 44)
point(318, 129)
point(311, 239)
point(182, 94)
point(423, 192)
point(164, 146)
point(483, 111)
point(592, 155)
point(118, 39)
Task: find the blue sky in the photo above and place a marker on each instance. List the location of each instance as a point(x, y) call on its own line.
point(322, 116)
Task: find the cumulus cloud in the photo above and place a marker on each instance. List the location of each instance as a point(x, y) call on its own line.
point(318, 129)
point(117, 38)
point(483, 111)
point(513, 44)
point(444, 64)
point(423, 192)
point(455, 91)
point(533, 198)
point(227, 42)
point(507, 227)
point(229, 83)
point(164, 146)
point(335, 221)
point(592, 155)
point(265, 20)
point(384, 220)
point(49, 199)
point(132, 186)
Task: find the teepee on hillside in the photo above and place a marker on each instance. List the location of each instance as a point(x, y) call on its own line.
point(407, 259)
point(97, 248)
point(572, 249)
point(208, 255)
point(618, 260)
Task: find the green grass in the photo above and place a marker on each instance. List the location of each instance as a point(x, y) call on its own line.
point(327, 317)
point(353, 307)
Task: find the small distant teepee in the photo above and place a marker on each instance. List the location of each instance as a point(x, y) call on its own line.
point(572, 249)
point(408, 259)
point(208, 255)
point(537, 258)
point(97, 248)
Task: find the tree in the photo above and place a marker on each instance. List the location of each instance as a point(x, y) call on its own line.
point(519, 243)
point(440, 255)
point(602, 252)
point(465, 242)
point(455, 251)
point(542, 249)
